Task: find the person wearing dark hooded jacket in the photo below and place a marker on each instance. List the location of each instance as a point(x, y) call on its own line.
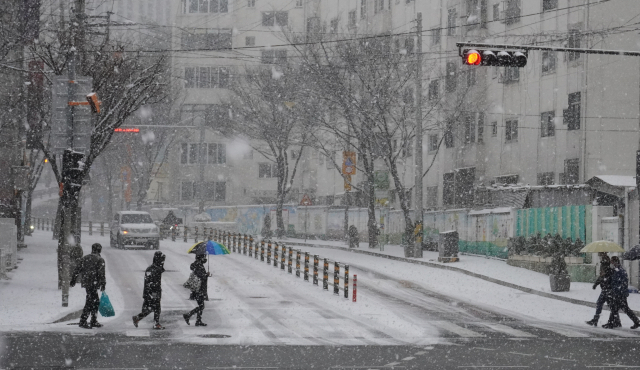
point(619, 294)
point(604, 280)
point(152, 292)
point(201, 273)
point(91, 268)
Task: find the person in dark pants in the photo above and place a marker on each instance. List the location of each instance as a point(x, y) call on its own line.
point(152, 292)
point(198, 269)
point(92, 270)
point(604, 280)
point(619, 294)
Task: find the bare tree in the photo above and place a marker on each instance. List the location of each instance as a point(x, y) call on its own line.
point(271, 110)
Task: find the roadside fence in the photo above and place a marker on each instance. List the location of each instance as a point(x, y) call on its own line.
point(289, 260)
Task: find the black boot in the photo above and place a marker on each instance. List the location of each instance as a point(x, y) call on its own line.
point(594, 321)
point(84, 325)
point(200, 323)
point(636, 325)
point(186, 318)
point(95, 323)
point(136, 320)
point(609, 325)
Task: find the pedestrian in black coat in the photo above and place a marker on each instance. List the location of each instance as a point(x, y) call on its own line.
point(198, 269)
point(92, 270)
point(152, 292)
point(604, 281)
point(619, 294)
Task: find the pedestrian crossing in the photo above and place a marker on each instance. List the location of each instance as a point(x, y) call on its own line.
point(283, 332)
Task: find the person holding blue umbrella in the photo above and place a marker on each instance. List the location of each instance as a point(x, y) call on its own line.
point(201, 250)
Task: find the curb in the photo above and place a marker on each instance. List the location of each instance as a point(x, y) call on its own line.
point(457, 269)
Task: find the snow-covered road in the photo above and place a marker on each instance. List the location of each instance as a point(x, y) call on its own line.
point(253, 303)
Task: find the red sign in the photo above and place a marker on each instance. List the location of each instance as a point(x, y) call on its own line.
point(131, 129)
point(306, 201)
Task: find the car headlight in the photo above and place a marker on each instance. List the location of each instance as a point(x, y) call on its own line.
point(124, 231)
point(32, 227)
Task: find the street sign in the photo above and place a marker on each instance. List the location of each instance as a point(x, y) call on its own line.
point(306, 201)
point(348, 163)
point(82, 123)
point(347, 182)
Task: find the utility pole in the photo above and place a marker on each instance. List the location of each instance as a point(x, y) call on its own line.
point(418, 155)
point(201, 158)
point(76, 21)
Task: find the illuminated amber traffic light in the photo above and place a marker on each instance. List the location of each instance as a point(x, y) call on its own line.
point(473, 58)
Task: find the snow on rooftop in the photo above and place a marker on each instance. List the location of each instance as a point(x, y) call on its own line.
point(618, 180)
point(491, 210)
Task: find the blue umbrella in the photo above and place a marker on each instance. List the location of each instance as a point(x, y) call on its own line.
point(208, 247)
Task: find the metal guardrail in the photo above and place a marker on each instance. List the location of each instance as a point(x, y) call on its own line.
point(282, 257)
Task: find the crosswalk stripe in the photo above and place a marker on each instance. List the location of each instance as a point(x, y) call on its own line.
point(138, 333)
point(451, 327)
point(508, 330)
point(561, 330)
point(619, 333)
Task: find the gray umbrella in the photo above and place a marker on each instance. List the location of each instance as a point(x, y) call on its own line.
point(632, 254)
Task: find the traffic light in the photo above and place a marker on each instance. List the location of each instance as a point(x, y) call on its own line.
point(500, 58)
point(92, 98)
point(72, 167)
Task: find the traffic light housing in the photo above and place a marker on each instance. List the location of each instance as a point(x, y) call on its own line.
point(72, 168)
point(92, 98)
point(499, 58)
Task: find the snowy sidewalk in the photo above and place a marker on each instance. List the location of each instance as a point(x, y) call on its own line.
point(492, 270)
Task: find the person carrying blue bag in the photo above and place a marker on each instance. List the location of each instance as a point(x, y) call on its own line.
point(92, 270)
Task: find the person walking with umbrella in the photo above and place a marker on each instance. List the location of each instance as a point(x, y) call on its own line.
point(152, 292)
point(619, 294)
point(198, 270)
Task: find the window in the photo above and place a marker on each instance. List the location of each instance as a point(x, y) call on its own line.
point(512, 12)
point(433, 142)
point(549, 5)
point(484, 13)
point(434, 90)
point(547, 124)
point(363, 9)
point(217, 153)
point(480, 127)
point(251, 3)
point(282, 19)
point(451, 79)
point(494, 128)
point(451, 22)
point(193, 153)
point(546, 178)
point(215, 191)
point(250, 41)
point(203, 38)
point(470, 128)
point(511, 74)
point(409, 44)
point(267, 170)
point(448, 189)
point(187, 190)
point(435, 36)
point(333, 26)
point(448, 135)
point(274, 56)
point(378, 6)
point(571, 171)
point(298, 3)
point(511, 130)
point(352, 19)
point(573, 42)
point(407, 96)
point(471, 77)
point(496, 12)
point(507, 179)
point(268, 19)
point(549, 61)
point(208, 6)
point(572, 114)
point(207, 77)
point(432, 197)
point(473, 19)
point(184, 153)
